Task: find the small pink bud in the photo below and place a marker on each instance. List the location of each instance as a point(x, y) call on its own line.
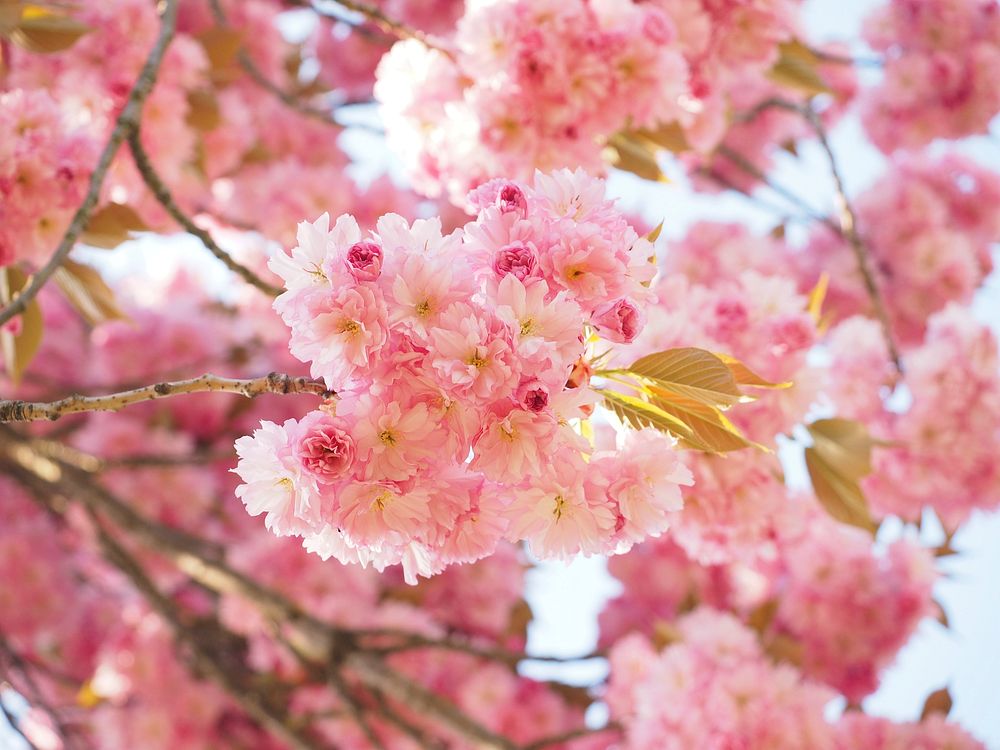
point(326, 451)
point(533, 396)
point(511, 198)
point(364, 260)
point(619, 321)
point(657, 28)
point(515, 258)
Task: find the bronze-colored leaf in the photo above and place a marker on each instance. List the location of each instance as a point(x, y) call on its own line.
point(19, 349)
point(639, 413)
point(938, 702)
point(762, 616)
point(203, 110)
point(691, 372)
point(798, 68)
point(817, 296)
point(669, 136)
point(111, 225)
point(783, 648)
point(743, 375)
point(520, 617)
point(654, 233)
point(844, 443)
point(10, 14)
point(837, 461)
point(87, 292)
point(711, 430)
point(628, 153)
point(44, 30)
point(221, 46)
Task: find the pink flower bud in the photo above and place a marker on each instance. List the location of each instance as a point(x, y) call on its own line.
point(657, 27)
point(619, 321)
point(364, 260)
point(533, 395)
point(326, 451)
point(511, 198)
point(517, 259)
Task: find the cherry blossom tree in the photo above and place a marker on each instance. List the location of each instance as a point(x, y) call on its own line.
point(480, 361)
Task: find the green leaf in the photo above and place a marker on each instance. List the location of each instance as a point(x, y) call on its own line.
point(798, 68)
point(628, 153)
point(639, 413)
point(694, 373)
point(44, 30)
point(111, 225)
point(838, 459)
point(87, 292)
point(18, 350)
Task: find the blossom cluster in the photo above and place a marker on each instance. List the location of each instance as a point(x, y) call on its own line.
point(841, 606)
point(526, 85)
point(941, 58)
point(943, 441)
point(713, 686)
point(458, 363)
point(928, 226)
point(44, 168)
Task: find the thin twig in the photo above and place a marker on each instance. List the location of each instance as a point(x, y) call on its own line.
point(833, 57)
point(163, 195)
point(287, 98)
point(355, 709)
point(127, 122)
point(408, 641)
point(376, 674)
point(384, 22)
point(26, 411)
point(747, 166)
point(849, 230)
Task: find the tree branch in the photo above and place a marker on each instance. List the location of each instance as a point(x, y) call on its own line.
point(849, 230)
point(206, 656)
point(162, 194)
point(127, 122)
point(384, 22)
point(287, 98)
point(26, 411)
point(377, 675)
point(572, 734)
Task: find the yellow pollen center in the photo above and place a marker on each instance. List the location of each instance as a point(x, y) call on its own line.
point(381, 501)
point(527, 326)
point(477, 361)
point(574, 272)
point(560, 504)
point(350, 327)
point(424, 308)
point(387, 437)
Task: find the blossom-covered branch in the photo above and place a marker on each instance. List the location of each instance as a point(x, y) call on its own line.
point(26, 411)
point(127, 122)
